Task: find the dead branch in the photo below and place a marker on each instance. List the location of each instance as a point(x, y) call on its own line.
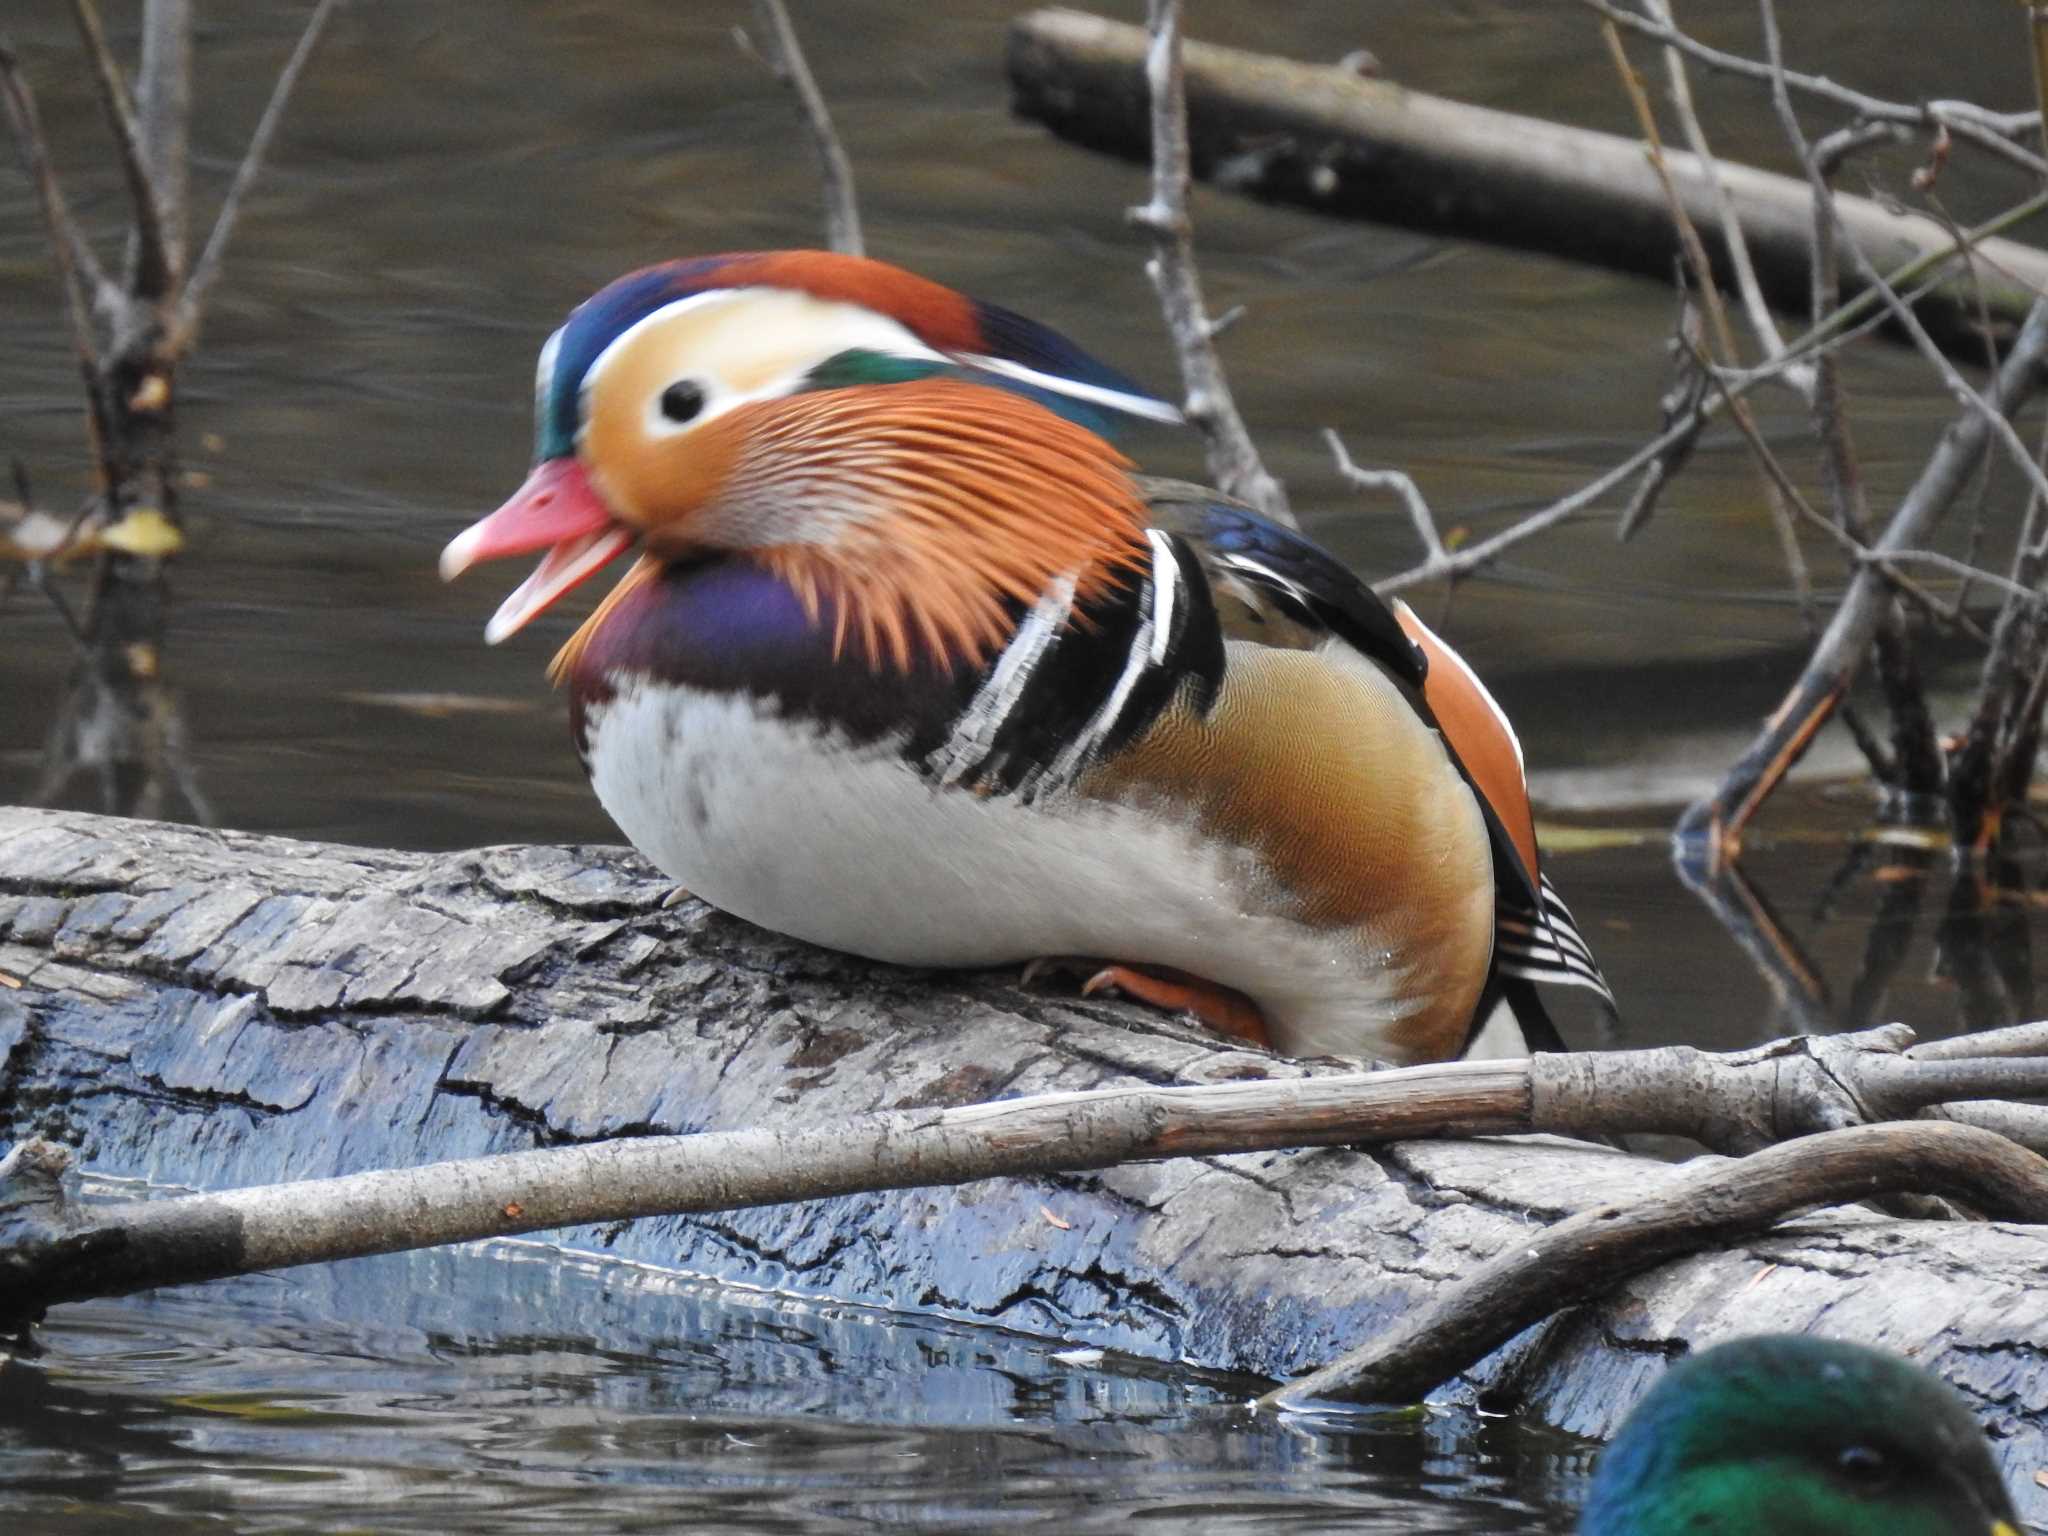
point(85, 282)
point(1723, 334)
point(1400, 485)
point(1587, 1254)
point(1234, 461)
point(1372, 149)
point(152, 254)
point(785, 56)
point(119, 724)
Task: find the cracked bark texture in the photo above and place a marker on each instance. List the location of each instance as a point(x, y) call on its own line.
point(217, 1009)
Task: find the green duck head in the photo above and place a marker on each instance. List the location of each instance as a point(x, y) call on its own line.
point(1781, 1435)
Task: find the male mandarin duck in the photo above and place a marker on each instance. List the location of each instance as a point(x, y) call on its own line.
point(913, 665)
point(1783, 1435)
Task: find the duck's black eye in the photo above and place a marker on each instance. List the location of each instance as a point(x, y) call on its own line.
point(1864, 1468)
point(682, 400)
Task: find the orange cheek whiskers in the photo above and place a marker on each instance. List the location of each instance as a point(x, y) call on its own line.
point(979, 499)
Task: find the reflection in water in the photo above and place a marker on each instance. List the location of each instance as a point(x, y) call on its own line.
point(1982, 945)
point(507, 1390)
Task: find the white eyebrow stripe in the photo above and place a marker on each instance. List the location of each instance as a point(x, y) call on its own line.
point(1096, 394)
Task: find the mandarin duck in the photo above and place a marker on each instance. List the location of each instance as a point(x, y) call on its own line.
point(1784, 1435)
point(912, 664)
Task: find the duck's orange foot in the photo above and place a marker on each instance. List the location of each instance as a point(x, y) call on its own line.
point(1223, 1009)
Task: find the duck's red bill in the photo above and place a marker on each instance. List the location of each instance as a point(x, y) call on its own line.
point(555, 510)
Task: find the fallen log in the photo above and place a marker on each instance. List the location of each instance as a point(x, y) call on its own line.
point(219, 1009)
point(1325, 138)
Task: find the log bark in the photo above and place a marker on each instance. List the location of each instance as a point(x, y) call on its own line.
point(1324, 138)
point(219, 1009)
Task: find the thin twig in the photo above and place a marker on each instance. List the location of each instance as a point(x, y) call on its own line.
point(1234, 461)
point(192, 303)
point(785, 56)
point(1761, 323)
point(1710, 299)
point(153, 254)
point(1390, 480)
point(1993, 131)
point(77, 267)
point(1845, 324)
point(163, 109)
point(1855, 548)
point(1717, 821)
point(1902, 312)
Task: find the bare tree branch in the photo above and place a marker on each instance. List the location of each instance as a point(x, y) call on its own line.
point(785, 55)
point(192, 302)
point(1396, 482)
point(1735, 1101)
point(1901, 311)
point(144, 193)
point(1717, 821)
point(77, 267)
point(1233, 459)
point(163, 105)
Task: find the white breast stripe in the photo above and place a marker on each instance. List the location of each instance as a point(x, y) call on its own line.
point(1165, 586)
point(1144, 647)
point(974, 733)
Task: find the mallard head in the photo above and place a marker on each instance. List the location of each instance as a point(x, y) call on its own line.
point(1783, 1435)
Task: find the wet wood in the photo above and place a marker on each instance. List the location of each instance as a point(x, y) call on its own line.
point(224, 1010)
point(1325, 138)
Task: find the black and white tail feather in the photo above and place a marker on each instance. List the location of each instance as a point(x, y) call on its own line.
point(1543, 944)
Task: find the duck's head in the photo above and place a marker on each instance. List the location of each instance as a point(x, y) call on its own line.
point(1782, 1435)
point(794, 402)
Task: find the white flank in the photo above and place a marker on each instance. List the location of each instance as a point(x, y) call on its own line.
point(791, 827)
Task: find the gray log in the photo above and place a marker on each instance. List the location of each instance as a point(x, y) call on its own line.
point(221, 1009)
point(1326, 139)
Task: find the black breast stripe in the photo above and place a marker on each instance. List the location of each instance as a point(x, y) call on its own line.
point(1061, 698)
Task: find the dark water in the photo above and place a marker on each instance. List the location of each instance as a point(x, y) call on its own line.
point(451, 179)
point(439, 1393)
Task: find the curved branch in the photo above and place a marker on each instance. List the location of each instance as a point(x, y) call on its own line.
point(1589, 1253)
